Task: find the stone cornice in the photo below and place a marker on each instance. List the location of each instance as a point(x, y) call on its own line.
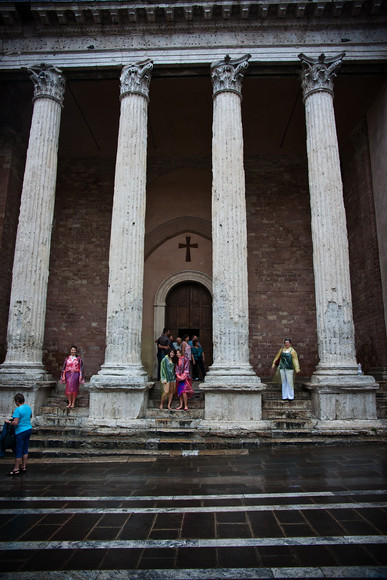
point(69, 16)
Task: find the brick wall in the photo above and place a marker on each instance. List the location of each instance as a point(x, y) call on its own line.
point(77, 289)
point(371, 342)
point(281, 281)
point(12, 155)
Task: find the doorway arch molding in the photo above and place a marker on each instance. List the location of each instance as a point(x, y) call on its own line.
point(167, 284)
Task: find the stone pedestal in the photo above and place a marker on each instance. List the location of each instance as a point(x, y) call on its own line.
point(35, 394)
point(118, 405)
point(233, 390)
point(121, 385)
point(331, 403)
point(339, 392)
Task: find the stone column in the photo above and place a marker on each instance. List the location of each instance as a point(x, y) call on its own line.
point(118, 391)
point(23, 366)
point(339, 391)
point(233, 391)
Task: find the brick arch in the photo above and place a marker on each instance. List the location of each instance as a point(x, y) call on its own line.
point(174, 228)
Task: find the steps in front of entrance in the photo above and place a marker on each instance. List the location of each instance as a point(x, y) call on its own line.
point(64, 433)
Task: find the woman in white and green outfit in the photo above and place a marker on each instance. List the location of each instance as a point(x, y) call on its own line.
point(287, 360)
point(168, 378)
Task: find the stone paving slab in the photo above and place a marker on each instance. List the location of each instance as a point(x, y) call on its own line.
point(279, 513)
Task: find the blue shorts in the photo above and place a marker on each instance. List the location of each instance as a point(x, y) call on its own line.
point(22, 440)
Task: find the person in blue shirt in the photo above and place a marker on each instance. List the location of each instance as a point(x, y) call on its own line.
point(21, 419)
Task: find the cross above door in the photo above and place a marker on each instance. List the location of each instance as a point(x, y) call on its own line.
point(188, 247)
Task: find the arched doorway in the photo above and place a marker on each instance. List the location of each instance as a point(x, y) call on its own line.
point(189, 311)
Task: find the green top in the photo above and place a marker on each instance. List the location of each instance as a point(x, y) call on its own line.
point(167, 370)
point(286, 361)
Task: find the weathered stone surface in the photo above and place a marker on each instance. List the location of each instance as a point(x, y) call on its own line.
point(32, 252)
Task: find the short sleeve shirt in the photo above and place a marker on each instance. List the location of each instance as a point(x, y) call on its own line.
point(24, 413)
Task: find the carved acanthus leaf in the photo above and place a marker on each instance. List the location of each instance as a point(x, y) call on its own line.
point(135, 78)
point(48, 82)
point(227, 74)
point(318, 73)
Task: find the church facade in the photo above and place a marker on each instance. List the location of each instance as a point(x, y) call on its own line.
point(216, 168)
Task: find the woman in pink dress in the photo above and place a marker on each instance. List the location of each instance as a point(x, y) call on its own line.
point(183, 380)
point(72, 375)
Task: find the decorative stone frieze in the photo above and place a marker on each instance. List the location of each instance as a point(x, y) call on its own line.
point(123, 368)
point(337, 370)
point(231, 370)
point(32, 251)
point(227, 74)
point(113, 13)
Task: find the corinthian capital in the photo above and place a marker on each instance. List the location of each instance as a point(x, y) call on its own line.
point(227, 74)
point(318, 73)
point(135, 79)
point(48, 82)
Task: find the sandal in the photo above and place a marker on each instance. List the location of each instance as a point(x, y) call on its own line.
point(23, 470)
point(14, 472)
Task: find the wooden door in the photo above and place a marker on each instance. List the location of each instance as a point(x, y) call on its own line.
point(189, 310)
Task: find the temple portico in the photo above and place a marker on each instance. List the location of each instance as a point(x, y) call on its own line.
point(134, 216)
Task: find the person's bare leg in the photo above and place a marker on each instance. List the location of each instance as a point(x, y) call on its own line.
point(185, 398)
point(170, 395)
point(163, 395)
point(181, 404)
point(23, 466)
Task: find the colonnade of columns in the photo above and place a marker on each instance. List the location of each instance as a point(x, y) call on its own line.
point(233, 391)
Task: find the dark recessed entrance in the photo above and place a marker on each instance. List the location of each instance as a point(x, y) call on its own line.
point(189, 311)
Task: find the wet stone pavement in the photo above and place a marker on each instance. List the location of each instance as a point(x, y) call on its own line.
point(288, 512)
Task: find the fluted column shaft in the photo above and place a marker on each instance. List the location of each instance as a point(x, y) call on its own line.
point(32, 251)
point(229, 229)
point(335, 328)
point(126, 262)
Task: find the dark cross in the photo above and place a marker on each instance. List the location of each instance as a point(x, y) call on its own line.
point(188, 245)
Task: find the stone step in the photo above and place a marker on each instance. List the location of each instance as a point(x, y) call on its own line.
point(166, 415)
point(156, 446)
point(273, 414)
point(285, 424)
point(60, 411)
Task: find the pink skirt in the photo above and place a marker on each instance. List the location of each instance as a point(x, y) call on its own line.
point(72, 383)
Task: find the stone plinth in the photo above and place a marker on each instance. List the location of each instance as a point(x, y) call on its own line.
point(237, 399)
point(35, 394)
point(352, 401)
point(118, 405)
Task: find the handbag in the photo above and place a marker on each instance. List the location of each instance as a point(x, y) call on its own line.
point(9, 439)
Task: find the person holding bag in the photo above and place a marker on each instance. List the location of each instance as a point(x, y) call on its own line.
point(21, 420)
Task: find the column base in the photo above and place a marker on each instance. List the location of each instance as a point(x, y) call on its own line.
point(232, 394)
point(341, 377)
point(12, 373)
point(117, 404)
point(35, 393)
point(118, 393)
point(338, 396)
point(120, 375)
